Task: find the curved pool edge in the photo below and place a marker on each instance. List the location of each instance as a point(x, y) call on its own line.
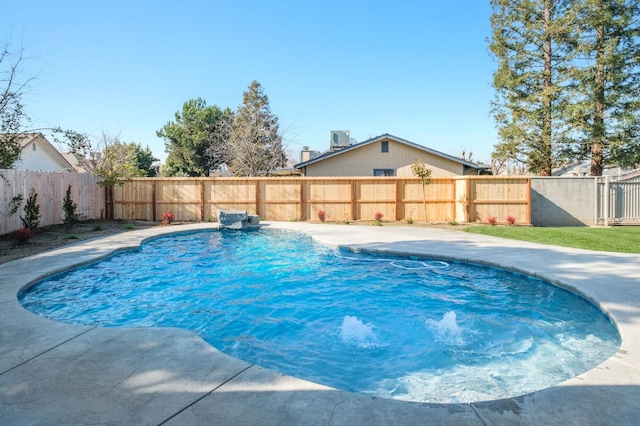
point(50, 370)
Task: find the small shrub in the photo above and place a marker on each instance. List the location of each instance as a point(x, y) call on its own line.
point(128, 226)
point(453, 223)
point(377, 218)
point(491, 220)
point(346, 221)
point(410, 220)
point(97, 227)
point(23, 235)
point(71, 216)
point(210, 218)
point(321, 215)
point(31, 219)
point(511, 220)
point(167, 218)
point(72, 237)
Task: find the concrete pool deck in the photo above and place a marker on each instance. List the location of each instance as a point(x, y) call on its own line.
point(56, 373)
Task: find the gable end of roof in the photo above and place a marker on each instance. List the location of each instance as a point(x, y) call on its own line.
point(329, 154)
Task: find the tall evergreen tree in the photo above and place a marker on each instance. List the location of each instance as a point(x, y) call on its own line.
point(606, 112)
point(188, 138)
point(254, 144)
point(530, 44)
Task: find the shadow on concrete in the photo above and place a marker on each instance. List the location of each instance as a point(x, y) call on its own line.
point(154, 377)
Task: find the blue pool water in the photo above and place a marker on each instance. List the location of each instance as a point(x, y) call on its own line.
point(397, 327)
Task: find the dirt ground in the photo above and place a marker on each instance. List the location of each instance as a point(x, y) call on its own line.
point(55, 236)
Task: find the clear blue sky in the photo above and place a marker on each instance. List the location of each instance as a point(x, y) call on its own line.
point(419, 70)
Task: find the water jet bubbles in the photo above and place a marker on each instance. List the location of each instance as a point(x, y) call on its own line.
point(354, 332)
point(447, 330)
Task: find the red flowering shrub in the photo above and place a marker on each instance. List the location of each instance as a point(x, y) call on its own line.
point(167, 218)
point(378, 216)
point(321, 215)
point(23, 235)
point(491, 220)
point(511, 220)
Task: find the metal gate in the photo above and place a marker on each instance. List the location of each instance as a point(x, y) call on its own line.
point(618, 199)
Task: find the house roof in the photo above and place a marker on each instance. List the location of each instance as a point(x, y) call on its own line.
point(583, 168)
point(329, 154)
point(26, 139)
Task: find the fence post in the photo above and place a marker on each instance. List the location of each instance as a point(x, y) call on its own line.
point(398, 201)
point(303, 203)
point(154, 201)
point(257, 197)
point(529, 201)
point(606, 201)
point(202, 206)
point(109, 202)
point(468, 201)
point(353, 200)
point(597, 200)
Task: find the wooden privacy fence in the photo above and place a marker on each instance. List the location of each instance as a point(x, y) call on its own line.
point(461, 199)
point(51, 188)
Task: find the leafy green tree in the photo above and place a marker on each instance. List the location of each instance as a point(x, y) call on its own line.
point(530, 42)
point(606, 111)
point(144, 161)
point(118, 163)
point(254, 144)
point(10, 150)
point(112, 160)
point(188, 138)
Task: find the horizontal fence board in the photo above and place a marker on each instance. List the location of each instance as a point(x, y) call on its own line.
point(499, 197)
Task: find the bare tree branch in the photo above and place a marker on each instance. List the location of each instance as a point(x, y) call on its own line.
point(12, 113)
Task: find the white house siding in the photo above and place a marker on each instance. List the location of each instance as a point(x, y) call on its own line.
point(42, 158)
point(362, 161)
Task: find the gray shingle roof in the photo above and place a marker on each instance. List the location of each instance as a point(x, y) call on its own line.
point(329, 154)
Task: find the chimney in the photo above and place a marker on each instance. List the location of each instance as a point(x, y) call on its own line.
point(305, 154)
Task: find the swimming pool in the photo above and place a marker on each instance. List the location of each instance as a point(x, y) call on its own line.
point(413, 328)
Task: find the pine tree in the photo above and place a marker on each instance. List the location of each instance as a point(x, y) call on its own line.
point(188, 138)
point(70, 208)
point(530, 43)
point(606, 111)
point(31, 218)
point(255, 143)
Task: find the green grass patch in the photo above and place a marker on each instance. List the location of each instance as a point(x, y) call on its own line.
point(622, 239)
